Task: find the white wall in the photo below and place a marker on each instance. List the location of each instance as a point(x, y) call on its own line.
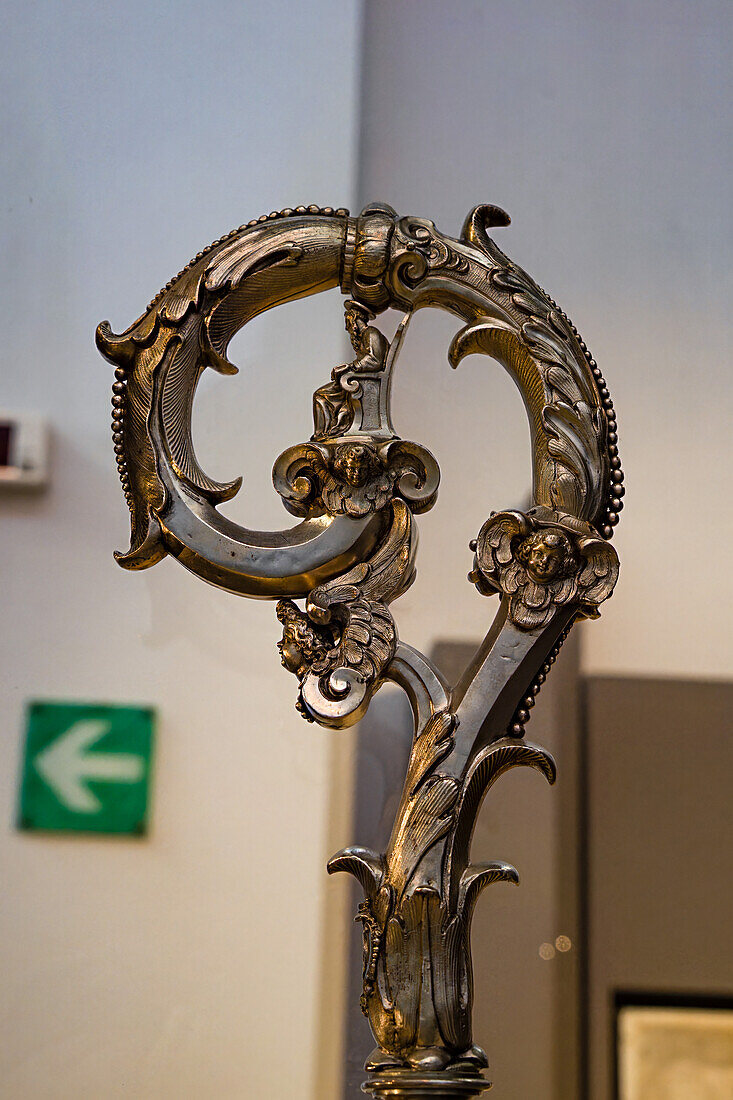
point(605, 130)
point(133, 135)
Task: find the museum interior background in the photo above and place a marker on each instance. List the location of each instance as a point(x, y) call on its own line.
point(135, 134)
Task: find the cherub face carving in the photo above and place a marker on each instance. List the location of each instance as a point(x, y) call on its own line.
point(301, 642)
point(546, 555)
point(293, 647)
point(353, 463)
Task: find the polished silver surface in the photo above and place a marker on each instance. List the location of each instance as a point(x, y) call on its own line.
point(357, 487)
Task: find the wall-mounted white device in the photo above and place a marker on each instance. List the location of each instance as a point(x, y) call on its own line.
point(23, 451)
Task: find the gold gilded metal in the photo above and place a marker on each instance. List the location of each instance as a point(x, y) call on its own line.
point(356, 487)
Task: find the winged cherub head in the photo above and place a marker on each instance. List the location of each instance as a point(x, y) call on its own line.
point(543, 565)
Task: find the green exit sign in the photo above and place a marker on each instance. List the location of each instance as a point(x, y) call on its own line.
point(86, 768)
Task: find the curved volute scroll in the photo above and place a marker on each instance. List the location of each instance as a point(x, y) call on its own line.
point(160, 358)
point(356, 487)
point(509, 317)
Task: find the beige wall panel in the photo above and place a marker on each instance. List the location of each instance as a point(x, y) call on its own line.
point(660, 847)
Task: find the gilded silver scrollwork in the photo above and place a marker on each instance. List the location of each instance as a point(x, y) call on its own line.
point(356, 487)
point(349, 634)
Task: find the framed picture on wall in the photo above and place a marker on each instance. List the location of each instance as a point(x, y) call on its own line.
point(672, 1047)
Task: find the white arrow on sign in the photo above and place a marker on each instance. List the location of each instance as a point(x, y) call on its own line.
point(65, 764)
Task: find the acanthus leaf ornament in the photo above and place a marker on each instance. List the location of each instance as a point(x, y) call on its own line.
point(356, 487)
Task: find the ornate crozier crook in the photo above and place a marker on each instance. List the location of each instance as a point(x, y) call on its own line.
point(356, 486)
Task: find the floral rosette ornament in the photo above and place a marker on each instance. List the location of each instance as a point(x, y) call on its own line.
point(542, 561)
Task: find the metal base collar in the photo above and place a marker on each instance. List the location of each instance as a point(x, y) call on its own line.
point(408, 1085)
